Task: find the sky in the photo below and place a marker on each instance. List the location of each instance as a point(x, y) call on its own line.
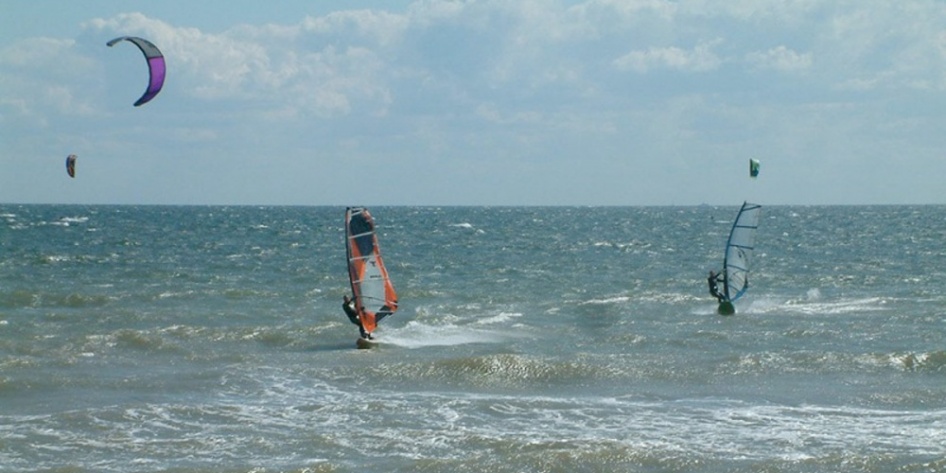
point(492, 102)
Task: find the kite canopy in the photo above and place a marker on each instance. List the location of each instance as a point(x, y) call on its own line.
point(156, 66)
point(753, 167)
point(71, 165)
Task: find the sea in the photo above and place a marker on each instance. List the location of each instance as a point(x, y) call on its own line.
point(192, 339)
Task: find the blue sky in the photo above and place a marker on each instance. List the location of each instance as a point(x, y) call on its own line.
point(436, 102)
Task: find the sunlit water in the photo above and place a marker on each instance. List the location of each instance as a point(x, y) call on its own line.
point(211, 339)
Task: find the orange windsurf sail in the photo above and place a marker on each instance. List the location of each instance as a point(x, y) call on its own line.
point(371, 287)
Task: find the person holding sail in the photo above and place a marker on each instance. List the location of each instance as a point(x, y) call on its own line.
point(348, 305)
point(713, 281)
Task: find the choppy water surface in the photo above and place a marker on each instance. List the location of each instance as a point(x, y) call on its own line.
point(209, 339)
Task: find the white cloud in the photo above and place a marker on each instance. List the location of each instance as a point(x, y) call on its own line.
point(42, 74)
point(780, 58)
point(492, 113)
point(382, 28)
point(699, 59)
point(425, 13)
point(629, 10)
point(875, 45)
point(279, 68)
point(36, 53)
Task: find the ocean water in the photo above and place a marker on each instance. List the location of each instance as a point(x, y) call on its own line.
point(211, 339)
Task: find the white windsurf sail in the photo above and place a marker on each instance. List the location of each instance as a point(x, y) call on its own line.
point(739, 250)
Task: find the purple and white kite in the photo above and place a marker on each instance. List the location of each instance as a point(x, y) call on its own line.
point(156, 66)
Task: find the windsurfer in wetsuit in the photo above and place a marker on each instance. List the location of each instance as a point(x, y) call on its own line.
point(348, 305)
point(713, 281)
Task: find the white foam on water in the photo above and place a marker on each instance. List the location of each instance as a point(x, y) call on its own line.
point(607, 300)
point(818, 306)
point(418, 335)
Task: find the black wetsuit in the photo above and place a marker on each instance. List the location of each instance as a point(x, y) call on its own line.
point(349, 308)
point(713, 288)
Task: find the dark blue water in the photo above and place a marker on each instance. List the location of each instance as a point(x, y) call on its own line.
point(193, 339)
